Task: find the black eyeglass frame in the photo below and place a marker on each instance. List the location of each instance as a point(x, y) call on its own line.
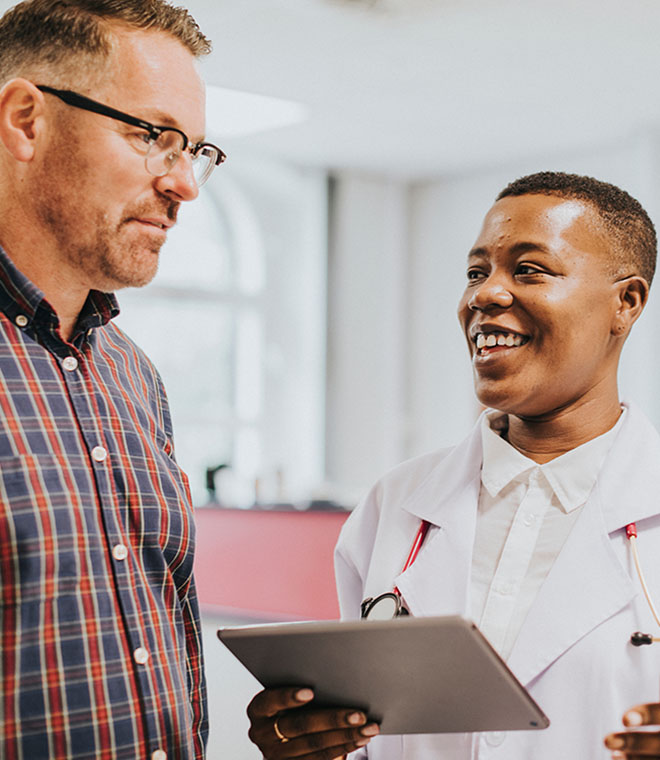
point(76, 100)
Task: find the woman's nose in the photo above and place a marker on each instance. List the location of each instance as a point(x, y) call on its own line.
point(491, 293)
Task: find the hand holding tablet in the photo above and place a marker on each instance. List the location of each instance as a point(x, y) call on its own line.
point(284, 724)
point(409, 675)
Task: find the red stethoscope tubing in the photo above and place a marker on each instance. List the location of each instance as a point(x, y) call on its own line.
point(414, 549)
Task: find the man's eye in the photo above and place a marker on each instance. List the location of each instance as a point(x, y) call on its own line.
point(141, 140)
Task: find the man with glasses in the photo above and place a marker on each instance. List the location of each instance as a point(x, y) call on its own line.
point(101, 141)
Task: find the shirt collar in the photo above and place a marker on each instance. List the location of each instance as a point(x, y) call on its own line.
point(19, 296)
point(571, 475)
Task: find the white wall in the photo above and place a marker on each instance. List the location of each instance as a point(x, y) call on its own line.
point(398, 371)
point(366, 360)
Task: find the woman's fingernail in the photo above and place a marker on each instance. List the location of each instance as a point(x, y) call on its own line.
point(371, 730)
point(304, 695)
point(356, 718)
point(615, 742)
point(633, 718)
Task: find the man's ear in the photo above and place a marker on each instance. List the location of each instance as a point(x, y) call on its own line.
point(632, 294)
point(21, 116)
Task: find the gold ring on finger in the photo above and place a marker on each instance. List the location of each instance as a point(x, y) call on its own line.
point(279, 734)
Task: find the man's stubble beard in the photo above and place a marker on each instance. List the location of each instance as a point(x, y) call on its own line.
point(87, 240)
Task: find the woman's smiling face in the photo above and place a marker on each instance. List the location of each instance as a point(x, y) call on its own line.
point(540, 306)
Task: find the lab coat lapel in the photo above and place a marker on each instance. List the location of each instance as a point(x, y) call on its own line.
point(588, 582)
point(586, 585)
point(437, 583)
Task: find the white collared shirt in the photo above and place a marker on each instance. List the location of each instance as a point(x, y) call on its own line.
point(525, 514)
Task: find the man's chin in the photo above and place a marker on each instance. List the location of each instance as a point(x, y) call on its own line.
point(143, 270)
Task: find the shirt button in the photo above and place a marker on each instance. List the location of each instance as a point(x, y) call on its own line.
point(159, 754)
point(495, 738)
point(140, 655)
point(119, 552)
point(21, 320)
point(529, 520)
point(99, 453)
point(70, 363)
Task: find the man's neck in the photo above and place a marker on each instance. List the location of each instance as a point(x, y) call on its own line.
point(46, 271)
point(545, 438)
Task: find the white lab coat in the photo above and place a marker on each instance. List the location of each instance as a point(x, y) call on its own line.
point(573, 652)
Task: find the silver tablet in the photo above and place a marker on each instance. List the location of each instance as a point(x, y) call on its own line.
point(411, 675)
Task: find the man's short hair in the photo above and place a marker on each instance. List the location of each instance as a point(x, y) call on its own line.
point(72, 37)
point(625, 222)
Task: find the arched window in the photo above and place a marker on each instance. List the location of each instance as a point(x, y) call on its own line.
point(229, 323)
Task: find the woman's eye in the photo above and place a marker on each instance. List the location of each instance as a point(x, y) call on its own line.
point(528, 269)
point(474, 274)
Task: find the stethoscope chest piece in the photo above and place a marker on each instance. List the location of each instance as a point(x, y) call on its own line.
point(383, 607)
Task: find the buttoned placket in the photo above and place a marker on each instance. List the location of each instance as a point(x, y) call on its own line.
point(514, 561)
point(81, 393)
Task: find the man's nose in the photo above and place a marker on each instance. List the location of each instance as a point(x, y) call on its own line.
point(180, 183)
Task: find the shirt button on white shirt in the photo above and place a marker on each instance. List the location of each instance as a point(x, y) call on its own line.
point(495, 738)
point(21, 320)
point(99, 454)
point(70, 363)
point(119, 552)
point(141, 656)
point(159, 754)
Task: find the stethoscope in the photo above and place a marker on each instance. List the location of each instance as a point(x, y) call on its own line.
point(390, 604)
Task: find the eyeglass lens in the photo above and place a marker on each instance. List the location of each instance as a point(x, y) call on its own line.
point(166, 150)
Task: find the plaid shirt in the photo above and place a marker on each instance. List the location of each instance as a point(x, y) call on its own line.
point(100, 639)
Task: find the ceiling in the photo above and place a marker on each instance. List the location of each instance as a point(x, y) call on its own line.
point(419, 88)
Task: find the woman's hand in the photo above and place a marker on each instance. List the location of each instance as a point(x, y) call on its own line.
point(284, 724)
point(637, 745)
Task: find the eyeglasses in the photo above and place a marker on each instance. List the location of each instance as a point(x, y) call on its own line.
point(162, 146)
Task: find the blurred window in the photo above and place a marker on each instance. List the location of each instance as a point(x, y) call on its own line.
point(228, 347)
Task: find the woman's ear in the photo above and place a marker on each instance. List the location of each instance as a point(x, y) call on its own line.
point(21, 115)
point(632, 294)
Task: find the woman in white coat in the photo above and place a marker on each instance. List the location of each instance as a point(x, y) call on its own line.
point(555, 281)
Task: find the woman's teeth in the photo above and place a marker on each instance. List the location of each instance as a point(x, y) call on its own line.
point(498, 339)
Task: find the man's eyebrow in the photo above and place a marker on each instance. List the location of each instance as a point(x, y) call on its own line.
point(162, 119)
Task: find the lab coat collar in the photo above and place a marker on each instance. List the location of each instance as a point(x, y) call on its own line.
point(628, 485)
point(455, 476)
point(437, 583)
point(623, 499)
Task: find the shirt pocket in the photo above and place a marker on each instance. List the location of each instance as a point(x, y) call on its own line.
point(39, 536)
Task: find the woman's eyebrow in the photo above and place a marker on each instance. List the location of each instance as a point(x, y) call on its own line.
point(517, 249)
